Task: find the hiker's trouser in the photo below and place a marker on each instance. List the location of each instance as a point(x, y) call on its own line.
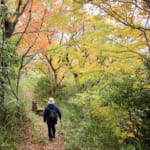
point(51, 130)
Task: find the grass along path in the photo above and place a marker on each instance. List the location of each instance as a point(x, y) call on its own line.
point(38, 137)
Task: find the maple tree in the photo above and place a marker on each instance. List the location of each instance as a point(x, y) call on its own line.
point(44, 44)
point(85, 43)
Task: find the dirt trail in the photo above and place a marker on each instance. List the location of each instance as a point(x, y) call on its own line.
point(38, 137)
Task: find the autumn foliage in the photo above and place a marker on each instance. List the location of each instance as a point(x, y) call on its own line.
point(96, 50)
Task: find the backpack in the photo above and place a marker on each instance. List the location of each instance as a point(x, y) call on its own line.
point(52, 114)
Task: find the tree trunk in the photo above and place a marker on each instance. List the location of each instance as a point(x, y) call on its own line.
point(3, 66)
point(18, 79)
point(8, 26)
point(56, 83)
point(50, 80)
point(76, 77)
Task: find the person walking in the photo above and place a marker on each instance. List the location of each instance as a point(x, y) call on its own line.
point(50, 116)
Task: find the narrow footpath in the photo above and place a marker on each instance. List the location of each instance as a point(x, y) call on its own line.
point(38, 136)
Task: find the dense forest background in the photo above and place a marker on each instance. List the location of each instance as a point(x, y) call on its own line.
point(92, 56)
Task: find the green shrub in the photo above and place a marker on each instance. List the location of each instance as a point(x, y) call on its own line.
point(132, 97)
point(4, 145)
point(90, 134)
point(13, 122)
point(83, 133)
point(66, 91)
point(42, 88)
point(13, 126)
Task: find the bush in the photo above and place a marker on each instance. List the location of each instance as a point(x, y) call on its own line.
point(13, 126)
point(133, 98)
point(90, 134)
point(67, 91)
point(104, 122)
point(42, 88)
point(83, 132)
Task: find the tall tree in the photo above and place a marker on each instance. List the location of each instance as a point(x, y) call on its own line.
point(9, 20)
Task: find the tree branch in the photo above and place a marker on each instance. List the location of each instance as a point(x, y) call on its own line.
point(36, 36)
point(36, 31)
point(25, 54)
point(146, 38)
point(19, 13)
point(30, 14)
point(130, 2)
point(9, 81)
point(61, 80)
point(120, 19)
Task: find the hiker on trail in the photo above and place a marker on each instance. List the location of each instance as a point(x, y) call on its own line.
point(50, 116)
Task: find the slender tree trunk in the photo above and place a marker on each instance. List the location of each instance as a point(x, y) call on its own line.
point(18, 80)
point(2, 66)
point(28, 50)
point(50, 81)
point(56, 84)
point(2, 84)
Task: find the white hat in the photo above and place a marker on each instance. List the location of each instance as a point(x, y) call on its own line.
point(51, 100)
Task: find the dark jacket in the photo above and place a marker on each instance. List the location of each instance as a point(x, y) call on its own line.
point(46, 113)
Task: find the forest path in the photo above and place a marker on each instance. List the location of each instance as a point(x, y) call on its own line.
point(38, 136)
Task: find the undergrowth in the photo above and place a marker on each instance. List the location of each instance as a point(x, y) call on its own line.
point(13, 127)
point(84, 133)
point(14, 122)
